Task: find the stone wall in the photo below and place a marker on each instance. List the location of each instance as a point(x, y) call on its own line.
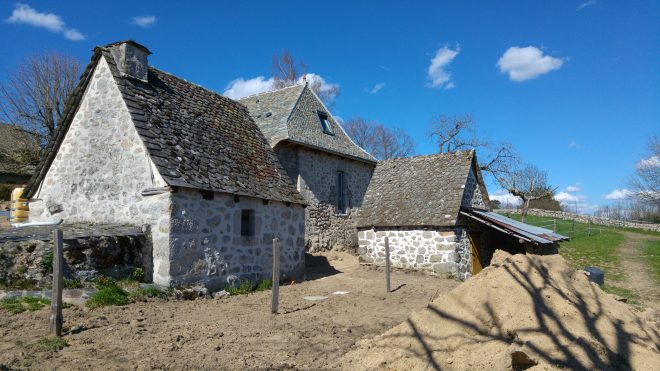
point(442, 251)
point(315, 174)
point(100, 170)
point(25, 264)
point(584, 219)
point(473, 196)
point(207, 247)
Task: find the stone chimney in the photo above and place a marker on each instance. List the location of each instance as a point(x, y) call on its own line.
point(131, 58)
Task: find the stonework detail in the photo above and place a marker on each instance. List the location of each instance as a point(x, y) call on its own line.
point(315, 174)
point(473, 197)
point(100, 170)
point(584, 219)
point(443, 251)
point(207, 247)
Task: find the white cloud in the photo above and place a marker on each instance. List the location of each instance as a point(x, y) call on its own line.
point(586, 4)
point(24, 14)
point(618, 194)
point(566, 197)
point(527, 63)
point(573, 188)
point(377, 88)
point(240, 87)
point(574, 144)
point(437, 72)
point(505, 198)
point(330, 89)
point(649, 163)
point(145, 21)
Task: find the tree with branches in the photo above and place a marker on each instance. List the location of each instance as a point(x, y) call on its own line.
point(528, 183)
point(645, 183)
point(288, 72)
point(454, 133)
point(34, 94)
point(382, 142)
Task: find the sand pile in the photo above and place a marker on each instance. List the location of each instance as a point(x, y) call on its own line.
point(522, 312)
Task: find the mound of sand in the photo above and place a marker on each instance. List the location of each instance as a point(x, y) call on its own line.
point(523, 311)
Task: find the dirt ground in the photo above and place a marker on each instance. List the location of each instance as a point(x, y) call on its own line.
point(638, 278)
point(231, 333)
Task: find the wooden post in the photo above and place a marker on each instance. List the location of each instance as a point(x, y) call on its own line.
point(387, 263)
point(58, 269)
point(276, 276)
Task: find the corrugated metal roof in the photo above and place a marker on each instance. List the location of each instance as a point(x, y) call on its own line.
point(521, 230)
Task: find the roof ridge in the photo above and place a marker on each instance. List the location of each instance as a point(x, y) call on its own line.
point(272, 91)
point(443, 154)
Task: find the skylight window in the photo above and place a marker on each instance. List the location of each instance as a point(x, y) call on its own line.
point(325, 123)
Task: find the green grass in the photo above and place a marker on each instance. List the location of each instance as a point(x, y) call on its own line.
point(651, 255)
point(247, 287)
point(109, 293)
point(50, 344)
point(149, 292)
point(72, 283)
point(15, 306)
point(632, 296)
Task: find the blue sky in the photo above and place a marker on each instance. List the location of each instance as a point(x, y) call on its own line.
point(578, 95)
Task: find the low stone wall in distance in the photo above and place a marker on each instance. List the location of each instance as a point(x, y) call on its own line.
point(580, 218)
point(445, 252)
point(89, 252)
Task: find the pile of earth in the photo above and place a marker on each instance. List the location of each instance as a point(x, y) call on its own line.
point(523, 311)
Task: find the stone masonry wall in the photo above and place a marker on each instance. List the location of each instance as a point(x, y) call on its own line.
point(207, 247)
point(472, 196)
point(584, 219)
point(317, 182)
point(445, 251)
point(101, 169)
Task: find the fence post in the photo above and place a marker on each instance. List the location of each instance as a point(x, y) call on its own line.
point(387, 263)
point(56, 320)
point(276, 276)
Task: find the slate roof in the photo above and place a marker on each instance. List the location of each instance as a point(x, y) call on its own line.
point(417, 191)
point(290, 114)
point(17, 147)
point(195, 137)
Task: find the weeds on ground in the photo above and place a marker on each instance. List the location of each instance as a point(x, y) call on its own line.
point(149, 292)
point(651, 256)
point(137, 274)
point(72, 283)
point(247, 287)
point(46, 264)
point(50, 344)
point(19, 305)
point(631, 296)
point(109, 293)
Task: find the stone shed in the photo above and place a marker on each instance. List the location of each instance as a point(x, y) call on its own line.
point(435, 212)
point(140, 146)
point(330, 171)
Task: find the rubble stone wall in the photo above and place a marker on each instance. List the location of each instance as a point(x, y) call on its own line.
point(442, 251)
point(584, 219)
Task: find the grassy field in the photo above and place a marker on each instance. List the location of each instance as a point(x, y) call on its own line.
point(651, 254)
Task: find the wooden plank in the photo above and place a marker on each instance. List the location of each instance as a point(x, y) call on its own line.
point(56, 319)
point(476, 259)
point(387, 264)
point(276, 276)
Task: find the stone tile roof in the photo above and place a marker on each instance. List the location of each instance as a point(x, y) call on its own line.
point(416, 191)
point(195, 137)
point(17, 148)
point(291, 114)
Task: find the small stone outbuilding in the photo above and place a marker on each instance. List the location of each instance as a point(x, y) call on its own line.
point(140, 146)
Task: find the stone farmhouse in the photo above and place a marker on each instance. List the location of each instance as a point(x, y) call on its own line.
point(330, 171)
point(435, 212)
point(139, 146)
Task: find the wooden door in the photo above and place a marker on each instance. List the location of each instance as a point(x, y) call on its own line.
point(476, 257)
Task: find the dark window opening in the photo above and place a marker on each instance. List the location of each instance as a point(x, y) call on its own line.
point(341, 198)
point(207, 195)
point(247, 223)
point(325, 123)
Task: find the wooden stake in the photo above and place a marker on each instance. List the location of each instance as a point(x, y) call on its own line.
point(58, 270)
point(276, 276)
point(387, 263)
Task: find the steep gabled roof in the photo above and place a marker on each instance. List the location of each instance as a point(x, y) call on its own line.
point(17, 148)
point(417, 191)
point(291, 114)
point(195, 137)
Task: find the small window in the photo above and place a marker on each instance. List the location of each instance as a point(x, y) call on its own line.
point(341, 198)
point(325, 123)
point(247, 223)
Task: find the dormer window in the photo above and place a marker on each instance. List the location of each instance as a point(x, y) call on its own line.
point(325, 123)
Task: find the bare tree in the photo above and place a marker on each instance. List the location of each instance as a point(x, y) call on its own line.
point(288, 72)
point(34, 95)
point(528, 183)
point(453, 133)
point(382, 142)
point(646, 181)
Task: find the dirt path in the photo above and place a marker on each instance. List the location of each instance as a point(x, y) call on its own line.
point(232, 333)
point(638, 277)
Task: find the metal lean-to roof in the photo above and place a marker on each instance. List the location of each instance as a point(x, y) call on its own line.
point(521, 230)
